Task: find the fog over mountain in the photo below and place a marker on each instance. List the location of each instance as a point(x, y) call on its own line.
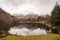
point(40, 7)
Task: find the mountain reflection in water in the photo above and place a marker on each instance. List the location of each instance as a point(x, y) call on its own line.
point(26, 31)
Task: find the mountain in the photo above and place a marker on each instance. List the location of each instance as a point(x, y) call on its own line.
point(6, 20)
point(30, 15)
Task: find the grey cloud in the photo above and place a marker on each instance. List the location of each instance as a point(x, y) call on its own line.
point(45, 5)
point(18, 2)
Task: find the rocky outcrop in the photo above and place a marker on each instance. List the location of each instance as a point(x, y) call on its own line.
point(6, 20)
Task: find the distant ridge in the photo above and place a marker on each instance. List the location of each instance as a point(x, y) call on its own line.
point(25, 15)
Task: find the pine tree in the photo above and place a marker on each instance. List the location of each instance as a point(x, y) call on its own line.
point(56, 15)
point(55, 19)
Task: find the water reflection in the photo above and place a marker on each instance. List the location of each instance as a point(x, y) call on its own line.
point(25, 31)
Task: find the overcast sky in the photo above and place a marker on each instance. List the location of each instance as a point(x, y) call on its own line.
point(40, 7)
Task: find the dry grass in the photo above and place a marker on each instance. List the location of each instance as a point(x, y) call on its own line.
point(38, 37)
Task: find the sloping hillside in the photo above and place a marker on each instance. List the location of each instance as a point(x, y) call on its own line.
point(6, 20)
